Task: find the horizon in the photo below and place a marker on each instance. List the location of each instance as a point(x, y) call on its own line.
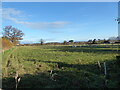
point(56, 22)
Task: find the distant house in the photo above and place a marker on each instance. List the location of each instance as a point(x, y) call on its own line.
point(112, 42)
point(117, 42)
point(106, 42)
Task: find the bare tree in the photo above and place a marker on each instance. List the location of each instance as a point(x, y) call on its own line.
point(13, 34)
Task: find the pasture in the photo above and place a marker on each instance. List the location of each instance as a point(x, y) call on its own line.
point(61, 66)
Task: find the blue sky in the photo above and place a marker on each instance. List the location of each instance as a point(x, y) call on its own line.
point(60, 0)
point(56, 22)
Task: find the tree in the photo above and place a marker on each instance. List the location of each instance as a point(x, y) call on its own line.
point(71, 41)
point(41, 41)
point(13, 34)
point(93, 42)
point(90, 41)
point(65, 42)
point(112, 38)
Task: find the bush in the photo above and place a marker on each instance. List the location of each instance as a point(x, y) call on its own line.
point(6, 44)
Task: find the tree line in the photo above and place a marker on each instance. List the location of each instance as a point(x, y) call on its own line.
point(12, 36)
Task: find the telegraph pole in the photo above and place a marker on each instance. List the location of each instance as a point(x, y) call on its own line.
point(118, 19)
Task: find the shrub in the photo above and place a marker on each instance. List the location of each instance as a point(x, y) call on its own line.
point(6, 44)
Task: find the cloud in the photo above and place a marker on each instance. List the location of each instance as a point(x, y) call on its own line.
point(13, 15)
point(45, 25)
point(11, 11)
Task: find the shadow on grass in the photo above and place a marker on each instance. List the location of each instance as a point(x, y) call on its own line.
point(86, 76)
point(88, 49)
point(62, 65)
point(63, 79)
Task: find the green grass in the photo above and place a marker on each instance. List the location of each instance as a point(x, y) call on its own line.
point(75, 67)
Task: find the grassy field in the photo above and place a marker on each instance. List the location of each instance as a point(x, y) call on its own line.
point(61, 66)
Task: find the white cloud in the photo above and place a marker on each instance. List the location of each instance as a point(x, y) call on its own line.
point(11, 11)
point(13, 15)
point(45, 25)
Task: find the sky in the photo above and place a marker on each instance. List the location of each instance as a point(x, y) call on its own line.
point(60, 0)
point(59, 21)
